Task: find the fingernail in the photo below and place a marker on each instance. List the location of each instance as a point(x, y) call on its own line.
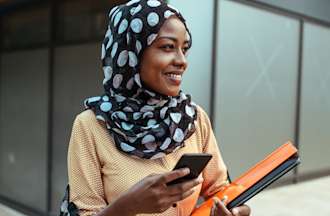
point(215, 200)
point(224, 199)
point(186, 170)
point(235, 211)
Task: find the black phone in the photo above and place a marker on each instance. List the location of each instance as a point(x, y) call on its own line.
point(196, 162)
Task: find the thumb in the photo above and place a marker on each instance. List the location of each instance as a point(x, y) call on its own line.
point(221, 209)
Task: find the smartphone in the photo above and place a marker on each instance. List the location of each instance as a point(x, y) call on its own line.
point(196, 162)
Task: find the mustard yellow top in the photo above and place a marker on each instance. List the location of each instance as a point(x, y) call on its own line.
point(99, 173)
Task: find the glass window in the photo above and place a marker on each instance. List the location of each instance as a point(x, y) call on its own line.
point(23, 127)
point(256, 83)
point(315, 99)
point(27, 28)
point(68, 100)
point(81, 20)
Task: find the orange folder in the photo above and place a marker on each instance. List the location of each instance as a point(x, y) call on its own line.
point(255, 179)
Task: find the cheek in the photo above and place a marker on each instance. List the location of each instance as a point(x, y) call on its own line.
point(153, 67)
point(161, 62)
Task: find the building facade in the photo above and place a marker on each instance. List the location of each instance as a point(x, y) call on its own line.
point(259, 68)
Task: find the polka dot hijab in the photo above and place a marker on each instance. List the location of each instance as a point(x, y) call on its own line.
point(143, 123)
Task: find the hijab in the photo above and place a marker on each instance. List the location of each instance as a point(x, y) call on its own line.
point(143, 123)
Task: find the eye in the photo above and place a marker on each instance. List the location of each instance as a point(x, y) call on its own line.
point(185, 50)
point(168, 47)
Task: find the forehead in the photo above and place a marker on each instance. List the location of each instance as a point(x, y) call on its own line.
point(174, 27)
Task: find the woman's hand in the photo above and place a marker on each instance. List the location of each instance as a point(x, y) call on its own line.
point(152, 195)
point(219, 209)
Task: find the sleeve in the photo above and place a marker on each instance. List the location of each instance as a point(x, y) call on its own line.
point(215, 173)
point(84, 170)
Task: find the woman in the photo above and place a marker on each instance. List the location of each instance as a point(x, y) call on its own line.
point(124, 146)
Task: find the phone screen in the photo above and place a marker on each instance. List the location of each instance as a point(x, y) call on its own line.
point(196, 162)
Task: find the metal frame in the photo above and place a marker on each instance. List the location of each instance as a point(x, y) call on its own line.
point(1, 39)
point(51, 64)
point(298, 95)
point(214, 61)
point(1, 33)
point(27, 48)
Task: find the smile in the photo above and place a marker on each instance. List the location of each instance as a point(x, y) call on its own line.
point(175, 79)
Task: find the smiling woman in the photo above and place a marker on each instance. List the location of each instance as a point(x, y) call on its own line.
point(124, 146)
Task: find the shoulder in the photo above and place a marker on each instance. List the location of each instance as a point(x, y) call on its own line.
point(203, 124)
point(201, 111)
point(202, 116)
point(87, 120)
point(86, 116)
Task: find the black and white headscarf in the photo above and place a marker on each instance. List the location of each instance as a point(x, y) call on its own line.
point(143, 123)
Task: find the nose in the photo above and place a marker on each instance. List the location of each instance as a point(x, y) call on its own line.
point(180, 60)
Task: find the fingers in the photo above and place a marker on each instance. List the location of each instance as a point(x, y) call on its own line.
point(213, 210)
point(220, 208)
point(179, 197)
point(183, 190)
point(175, 174)
point(184, 186)
point(243, 210)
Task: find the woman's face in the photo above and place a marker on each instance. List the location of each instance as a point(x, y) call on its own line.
point(164, 61)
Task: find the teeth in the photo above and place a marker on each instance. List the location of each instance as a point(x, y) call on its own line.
point(175, 76)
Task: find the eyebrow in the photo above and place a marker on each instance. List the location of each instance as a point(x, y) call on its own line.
point(171, 38)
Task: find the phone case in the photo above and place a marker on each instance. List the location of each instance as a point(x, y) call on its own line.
point(255, 179)
point(196, 163)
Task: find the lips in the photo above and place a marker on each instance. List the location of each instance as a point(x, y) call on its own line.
point(172, 73)
point(174, 77)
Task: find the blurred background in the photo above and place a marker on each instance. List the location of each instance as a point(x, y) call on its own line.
point(260, 68)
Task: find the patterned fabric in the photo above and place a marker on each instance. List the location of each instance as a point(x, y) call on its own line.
point(144, 123)
point(68, 208)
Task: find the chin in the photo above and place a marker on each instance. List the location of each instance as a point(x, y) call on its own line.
point(173, 93)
